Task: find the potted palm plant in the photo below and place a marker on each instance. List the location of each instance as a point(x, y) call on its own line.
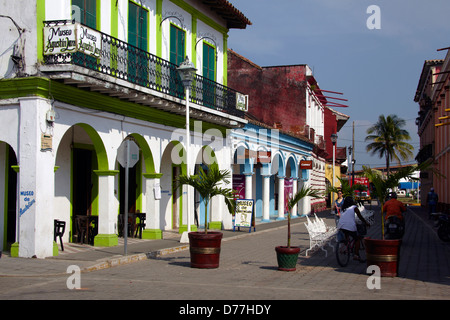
point(381, 252)
point(205, 246)
point(287, 256)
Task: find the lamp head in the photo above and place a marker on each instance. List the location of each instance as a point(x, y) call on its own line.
point(187, 71)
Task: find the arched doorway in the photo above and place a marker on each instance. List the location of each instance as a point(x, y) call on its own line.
point(172, 201)
point(8, 216)
point(80, 153)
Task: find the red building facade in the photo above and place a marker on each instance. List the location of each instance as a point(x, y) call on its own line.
point(288, 98)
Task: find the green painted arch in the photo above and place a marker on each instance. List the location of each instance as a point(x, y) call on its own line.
point(146, 152)
point(100, 150)
point(211, 159)
point(178, 147)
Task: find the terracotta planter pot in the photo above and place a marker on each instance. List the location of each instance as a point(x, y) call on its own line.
point(385, 254)
point(205, 249)
point(287, 257)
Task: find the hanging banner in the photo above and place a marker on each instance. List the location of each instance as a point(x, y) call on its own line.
point(288, 192)
point(239, 185)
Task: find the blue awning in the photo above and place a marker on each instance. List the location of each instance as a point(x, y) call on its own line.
point(408, 185)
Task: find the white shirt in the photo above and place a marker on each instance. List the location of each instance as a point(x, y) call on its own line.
point(347, 220)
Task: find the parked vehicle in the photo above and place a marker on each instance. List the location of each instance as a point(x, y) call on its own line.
point(394, 228)
point(362, 195)
point(444, 228)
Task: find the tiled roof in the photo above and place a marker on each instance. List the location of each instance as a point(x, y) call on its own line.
point(235, 18)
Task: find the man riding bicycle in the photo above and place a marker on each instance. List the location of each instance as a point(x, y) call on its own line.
point(347, 224)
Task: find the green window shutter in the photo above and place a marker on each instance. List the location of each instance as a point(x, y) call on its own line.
point(137, 26)
point(88, 12)
point(176, 45)
point(91, 13)
point(209, 61)
point(143, 29)
point(132, 24)
point(173, 44)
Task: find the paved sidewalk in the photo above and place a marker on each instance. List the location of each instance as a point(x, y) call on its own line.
point(90, 258)
point(424, 257)
point(247, 269)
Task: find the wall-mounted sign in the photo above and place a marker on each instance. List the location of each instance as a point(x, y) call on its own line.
point(246, 154)
point(306, 164)
point(264, 156)
point(89, 41)
point(71, 38)
point(46, 142)
point(60, 39)
point(260, 156)
point(241, 101)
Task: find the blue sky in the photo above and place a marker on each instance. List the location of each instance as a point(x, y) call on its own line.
point(377, 70)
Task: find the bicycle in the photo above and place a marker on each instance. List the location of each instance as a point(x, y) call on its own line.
point(344, 249)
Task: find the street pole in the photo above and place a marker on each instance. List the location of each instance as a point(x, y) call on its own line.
point(125, 219)
point(188, 157)
point(187, 72)
point(353, 156)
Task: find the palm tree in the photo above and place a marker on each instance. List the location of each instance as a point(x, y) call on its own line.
point(208, 185)
point(346, 188)
point(388, 139)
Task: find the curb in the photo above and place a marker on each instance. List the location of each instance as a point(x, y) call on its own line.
point(109, 263)
point(106, 263)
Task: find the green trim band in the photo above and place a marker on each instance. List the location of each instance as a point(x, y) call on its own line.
point(152, 175)
point(106, 172)
point(215, 225)
point(39, 86)
point(155, 234)
point(106, 240)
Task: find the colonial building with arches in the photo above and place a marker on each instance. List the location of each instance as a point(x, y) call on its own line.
point(81, 77)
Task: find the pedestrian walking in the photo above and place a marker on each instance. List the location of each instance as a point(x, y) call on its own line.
point(432, 200)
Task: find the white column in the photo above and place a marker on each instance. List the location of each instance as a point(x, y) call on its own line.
point(305, 203)
point(108, 207)
point(280, 198)
point(36, 182)
point(294, 191)
point(152, 206)
point(266, 198)
point(248, 185)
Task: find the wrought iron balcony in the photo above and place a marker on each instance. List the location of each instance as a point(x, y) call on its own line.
point(127, 62)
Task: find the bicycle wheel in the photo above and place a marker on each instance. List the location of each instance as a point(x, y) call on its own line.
point(342, 253)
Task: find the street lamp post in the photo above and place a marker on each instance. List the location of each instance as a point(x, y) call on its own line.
point(333, 140)
point(187, 72)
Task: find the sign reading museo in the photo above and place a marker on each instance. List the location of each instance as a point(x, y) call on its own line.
point(72, 38)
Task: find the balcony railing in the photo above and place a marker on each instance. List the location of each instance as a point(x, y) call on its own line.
point(127, 62)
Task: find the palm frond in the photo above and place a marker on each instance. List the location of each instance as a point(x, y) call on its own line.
point(208, 184)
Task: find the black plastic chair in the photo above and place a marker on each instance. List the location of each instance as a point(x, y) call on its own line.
point(59, 229)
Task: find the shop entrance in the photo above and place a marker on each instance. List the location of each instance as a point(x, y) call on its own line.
point(11, 185)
